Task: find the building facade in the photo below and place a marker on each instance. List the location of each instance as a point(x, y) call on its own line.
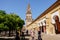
point(48, 21)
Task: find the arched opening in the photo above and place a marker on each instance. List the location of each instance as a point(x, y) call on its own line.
point(57, 24)
point(40, 27)
point(44, 26)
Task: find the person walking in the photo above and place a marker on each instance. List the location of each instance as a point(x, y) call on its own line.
point(23, 36)
point(17, 35)
point(32, 34)
point(39, 34)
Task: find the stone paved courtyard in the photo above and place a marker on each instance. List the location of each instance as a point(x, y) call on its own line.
point(50, 37)
point(44, 37)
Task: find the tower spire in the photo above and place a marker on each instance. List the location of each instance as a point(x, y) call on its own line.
point(28, 15)
point(28, 8)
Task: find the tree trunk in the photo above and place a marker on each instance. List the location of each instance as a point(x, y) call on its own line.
point(9, 32)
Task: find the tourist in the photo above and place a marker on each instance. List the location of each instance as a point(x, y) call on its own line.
point(17, 35)
point(39, 34)
point(32, 34)
point(23, 36)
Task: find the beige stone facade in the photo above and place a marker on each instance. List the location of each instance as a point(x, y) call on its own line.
point(46, 20)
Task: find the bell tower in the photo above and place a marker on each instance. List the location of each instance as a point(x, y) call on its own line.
point(28, 15)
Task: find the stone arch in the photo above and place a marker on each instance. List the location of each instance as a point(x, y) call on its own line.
point(44, 27)
point(57, 24)
point(40, 26)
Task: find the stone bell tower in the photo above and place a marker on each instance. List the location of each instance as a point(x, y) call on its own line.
point(28, 15)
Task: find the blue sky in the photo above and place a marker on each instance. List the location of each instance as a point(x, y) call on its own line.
point(19, 6)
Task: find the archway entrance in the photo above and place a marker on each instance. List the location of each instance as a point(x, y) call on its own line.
point(57, 24)
point(44, 26)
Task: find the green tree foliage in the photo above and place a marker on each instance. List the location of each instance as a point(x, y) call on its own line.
point(10, 21)
point(1, 26)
